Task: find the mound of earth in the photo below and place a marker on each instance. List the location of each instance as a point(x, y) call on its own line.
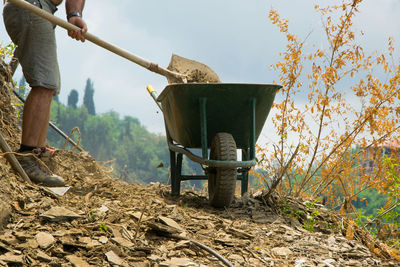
point(195, 72)
point(102, 221)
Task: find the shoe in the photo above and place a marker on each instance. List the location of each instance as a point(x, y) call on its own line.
point(38, 173)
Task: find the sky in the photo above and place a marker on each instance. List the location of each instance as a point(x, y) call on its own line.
point(233, 37)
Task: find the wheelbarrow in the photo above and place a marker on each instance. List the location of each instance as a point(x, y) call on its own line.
point(218, 117)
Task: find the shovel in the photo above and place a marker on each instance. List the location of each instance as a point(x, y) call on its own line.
point(180, 69)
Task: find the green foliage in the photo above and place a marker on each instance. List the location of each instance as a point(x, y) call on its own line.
point(135, 153)
point(103, 227)
point(22, 90)
point(7, 51)
point(95, 215)
point(22, 87)
point(88, 101)
point(391, 213)
point(379, 212)
point(310, 217)
point(309, 225)
point(369, 201)
point(392, 175)
point(73, 98)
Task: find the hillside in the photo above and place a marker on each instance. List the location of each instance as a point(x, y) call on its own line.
point(102, 221)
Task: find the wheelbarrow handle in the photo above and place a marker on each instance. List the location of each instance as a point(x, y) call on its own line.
point(153, 94)
point(174, 76)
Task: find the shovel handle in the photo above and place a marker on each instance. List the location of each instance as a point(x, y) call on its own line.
point(177, 77)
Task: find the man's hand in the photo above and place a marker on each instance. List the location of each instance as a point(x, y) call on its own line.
point(78, 35)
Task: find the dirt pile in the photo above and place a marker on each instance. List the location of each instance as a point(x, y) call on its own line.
point(196, 72)
point(10, 131)
point(102, 221)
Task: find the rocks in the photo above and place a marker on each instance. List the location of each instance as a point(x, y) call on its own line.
point(125, 240)
point(77, 261)
point(282, 252)
point(12, 259)
point(5, 213)
point(171, 223)
point(58, 214)
point(127, 234)
point(44, 240)
point(122, 242)
point(237, 258)
point(102, 221)
point(178, 262)
point(59, 191)
point(114, 259)
point(43, 257)
point(103, 239)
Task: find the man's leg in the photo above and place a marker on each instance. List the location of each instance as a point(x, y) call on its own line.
point(36, 116)
point(37, 52)
point(35, 123)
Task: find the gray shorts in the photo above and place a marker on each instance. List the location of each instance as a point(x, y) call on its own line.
point(36, 44)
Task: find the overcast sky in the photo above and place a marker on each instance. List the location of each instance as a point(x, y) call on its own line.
point(233, 37)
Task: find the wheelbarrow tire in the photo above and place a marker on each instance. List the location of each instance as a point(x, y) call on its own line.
point(222, 181)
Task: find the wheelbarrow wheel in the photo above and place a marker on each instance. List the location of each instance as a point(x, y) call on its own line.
point(222, 181)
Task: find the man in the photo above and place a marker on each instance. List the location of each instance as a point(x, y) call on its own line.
point(36, 52)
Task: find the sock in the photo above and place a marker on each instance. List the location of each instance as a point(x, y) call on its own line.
point(24, 148)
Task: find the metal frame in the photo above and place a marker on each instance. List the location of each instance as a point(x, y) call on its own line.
point(243, 166)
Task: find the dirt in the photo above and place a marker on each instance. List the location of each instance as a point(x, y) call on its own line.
point(103, 221)
point(196, 72)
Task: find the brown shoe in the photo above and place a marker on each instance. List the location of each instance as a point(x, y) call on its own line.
point(37, 172)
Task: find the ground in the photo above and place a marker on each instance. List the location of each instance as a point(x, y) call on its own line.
point(103, 221)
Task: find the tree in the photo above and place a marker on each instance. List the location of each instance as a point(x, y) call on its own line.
point(332, 121)
point(133, 152)
point(315, 155)
point(88, 101)
point(22, 82)
point(22, 87)
point(73, 98)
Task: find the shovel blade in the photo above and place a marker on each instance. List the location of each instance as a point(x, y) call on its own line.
point(195, 72)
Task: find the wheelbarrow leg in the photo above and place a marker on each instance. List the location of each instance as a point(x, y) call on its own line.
point(175, 182)
point(179, 169)
point(245, 175)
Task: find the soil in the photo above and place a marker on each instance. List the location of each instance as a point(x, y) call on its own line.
point(196, 72)
point(103, 221)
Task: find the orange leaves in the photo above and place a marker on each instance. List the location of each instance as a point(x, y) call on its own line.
point(318, 54)
point(391, 45)
point(350, 230)
point(335, 103)
point(277, 20)
point(330, 76)
point(378, 248)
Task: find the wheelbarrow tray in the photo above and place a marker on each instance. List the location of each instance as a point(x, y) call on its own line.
point(228, 109)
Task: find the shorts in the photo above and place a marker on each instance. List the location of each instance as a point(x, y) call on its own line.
point(36, 44)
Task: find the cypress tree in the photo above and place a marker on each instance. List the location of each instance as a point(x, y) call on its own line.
point(22, 87)
point(73, 98)
point(88, 101)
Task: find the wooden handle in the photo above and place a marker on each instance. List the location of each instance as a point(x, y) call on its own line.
point(96, 40)
point(13, 161)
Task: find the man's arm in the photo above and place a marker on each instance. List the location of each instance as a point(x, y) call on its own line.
point(74, 10)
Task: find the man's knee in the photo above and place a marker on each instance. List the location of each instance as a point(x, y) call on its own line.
point(42, 93)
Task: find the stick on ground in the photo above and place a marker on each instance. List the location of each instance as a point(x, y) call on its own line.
point(13, 160)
